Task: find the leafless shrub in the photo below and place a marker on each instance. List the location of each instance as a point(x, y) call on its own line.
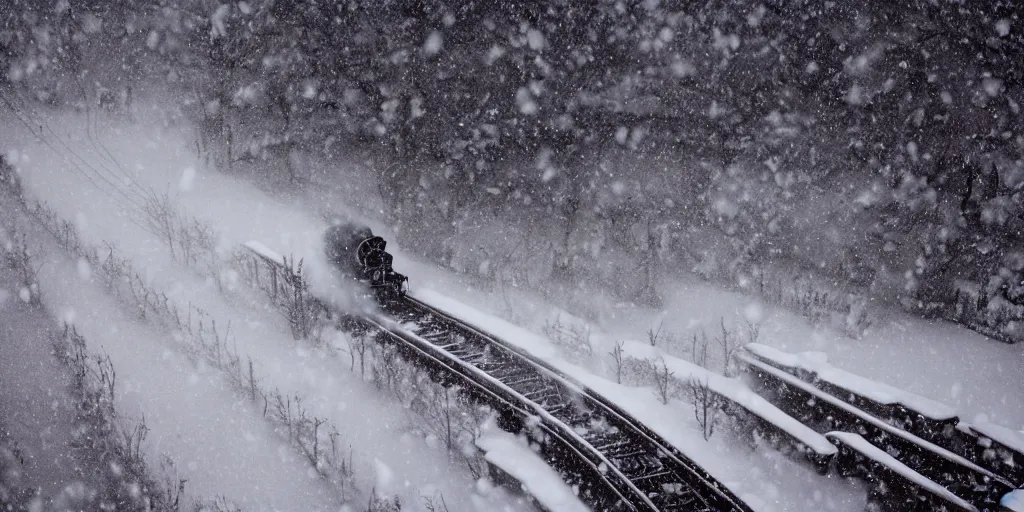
point(311, 435)
point(617, 354)
point(285, 285)
point(447, 413)
point(188, 240)
point(161, 218)
point(663, 381)
point(752, 330)
point(387, 370)
point(202, 340)
point(302, 310)
point(706, 406)
point(383, 504)
point(652, 334)
point(197, 245)
point(729, 344)
point(699, 349)
point(572, 337)
point(19, 260)
point(100, 436)
point(435, 503)
point(113, 267)
point(846, 312)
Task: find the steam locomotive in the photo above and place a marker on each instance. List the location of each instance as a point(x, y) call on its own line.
point(359, 254)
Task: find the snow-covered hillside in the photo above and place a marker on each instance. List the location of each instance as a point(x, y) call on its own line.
point(105, 177)
point(218, 437)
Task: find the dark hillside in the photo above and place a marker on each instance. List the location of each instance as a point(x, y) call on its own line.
point(875, 146)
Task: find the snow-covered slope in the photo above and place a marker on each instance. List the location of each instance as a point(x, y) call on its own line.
point(223, 445)
point(762, 477)
point(880, 392)
point(218, 441)
point(736, 391)
point(37, 413)
point(940, 361)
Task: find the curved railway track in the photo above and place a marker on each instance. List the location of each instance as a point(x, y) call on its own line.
point(643, 470)
point(908, 472)
point(615, 462)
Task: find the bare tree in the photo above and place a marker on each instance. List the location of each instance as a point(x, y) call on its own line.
point(705, 406)
point(728, 344)
point(699, 349)
point(302, 309)
point(19, 259)
point(430, 504)
point(573, 337)
point(10, 180)
point(378, 503)
point(652, 334)
point(753, 331)
point(662, 381)
point(617, 354)
point(362, 343)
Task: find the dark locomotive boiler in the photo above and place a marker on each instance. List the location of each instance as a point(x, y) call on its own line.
point(359, 254)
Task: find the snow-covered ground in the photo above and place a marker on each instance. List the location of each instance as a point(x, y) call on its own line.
point(222, 444)
point(877, 454)
point(1014, 501)
point(37, 414)
point(217, 440)
point(981, 378)
point(735, 390)
point(515, 457)
point(760, 476)
point(879, 392)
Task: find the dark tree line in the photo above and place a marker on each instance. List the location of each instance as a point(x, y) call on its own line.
point(876, 143)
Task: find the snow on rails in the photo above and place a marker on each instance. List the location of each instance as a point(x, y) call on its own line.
point(613, 461)
point(915, 451)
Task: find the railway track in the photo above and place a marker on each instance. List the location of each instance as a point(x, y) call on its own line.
point(643, 469)
point(914, 451)
point(616, 462)
point(929, 420)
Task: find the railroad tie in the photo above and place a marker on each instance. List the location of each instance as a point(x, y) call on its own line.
point(542, 396)
point(642, 466)
point(524, 378)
